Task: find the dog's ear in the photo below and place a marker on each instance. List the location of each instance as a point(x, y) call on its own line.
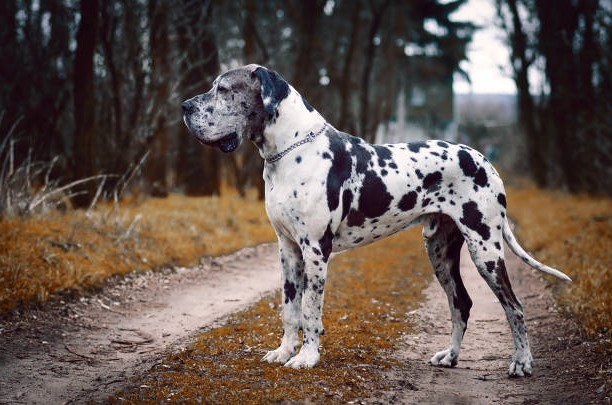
point(273, 88)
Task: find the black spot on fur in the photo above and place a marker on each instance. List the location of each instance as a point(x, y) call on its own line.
point(467, 163)
point(361, 154)
point(408, 201)
point(432, 181)
point(490, 266)
point(416, 146)
point(419, 174)
point(298, 159)
point(442, 144)
point(472, 218)
point(481, 177)
point(501, 199)
point(339, 172)
point(470, 169)
point(326, 242)
point(290, 291)
point(383, 152)
point(355, 218)
point(347, 200)
point(374, 199)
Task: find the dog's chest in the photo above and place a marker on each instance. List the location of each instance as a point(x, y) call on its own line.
point(295, 193)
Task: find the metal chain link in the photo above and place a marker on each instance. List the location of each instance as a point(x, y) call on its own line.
point(309, 138)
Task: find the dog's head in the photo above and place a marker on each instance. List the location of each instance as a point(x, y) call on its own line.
point(238, 105)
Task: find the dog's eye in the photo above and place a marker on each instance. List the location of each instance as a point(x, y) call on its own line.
point(222, 89)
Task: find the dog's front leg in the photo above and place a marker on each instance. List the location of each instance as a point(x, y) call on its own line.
point(292, 280)
point(315, 273)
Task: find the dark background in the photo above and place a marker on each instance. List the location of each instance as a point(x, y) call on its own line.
point(94, 87)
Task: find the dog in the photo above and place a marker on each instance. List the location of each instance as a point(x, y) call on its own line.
point(327, 191)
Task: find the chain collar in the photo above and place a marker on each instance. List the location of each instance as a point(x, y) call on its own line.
point(309, 138)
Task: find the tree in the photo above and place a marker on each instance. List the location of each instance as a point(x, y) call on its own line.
point(522, 58)
point(569, 124)
point(156, 166)
point(84, 158)
point(197, 167)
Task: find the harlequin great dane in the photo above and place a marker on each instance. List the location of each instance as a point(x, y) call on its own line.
point(327, 191)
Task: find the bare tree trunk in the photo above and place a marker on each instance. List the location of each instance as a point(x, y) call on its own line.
point(107, 38)
point(536, 145)
point(84, 157)
point(250, 157)
point(156, 166)
point(558, 24)
point(377, 14)
point(197, 167)
point(346, 123)
point(307, 16)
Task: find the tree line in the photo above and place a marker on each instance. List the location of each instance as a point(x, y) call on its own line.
point(568, 120)
point(100, 82)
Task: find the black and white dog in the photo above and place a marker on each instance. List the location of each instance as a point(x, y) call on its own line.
point(327, 191)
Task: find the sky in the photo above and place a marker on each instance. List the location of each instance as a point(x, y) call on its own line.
point(486, 53)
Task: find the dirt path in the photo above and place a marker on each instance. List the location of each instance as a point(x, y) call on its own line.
point(88, 349)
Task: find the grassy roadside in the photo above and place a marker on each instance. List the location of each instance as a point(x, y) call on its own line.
point(573, 234)
point(42, 256)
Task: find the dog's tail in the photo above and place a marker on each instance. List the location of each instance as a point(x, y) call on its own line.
point(520, 252)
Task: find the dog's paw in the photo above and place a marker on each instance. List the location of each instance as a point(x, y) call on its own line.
point(306, 358)
point(280, 355)
point(445, 358)
point(521, 365)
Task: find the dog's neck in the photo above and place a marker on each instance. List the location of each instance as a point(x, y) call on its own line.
point(283, 130)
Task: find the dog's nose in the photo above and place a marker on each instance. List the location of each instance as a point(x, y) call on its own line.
point(188, 107)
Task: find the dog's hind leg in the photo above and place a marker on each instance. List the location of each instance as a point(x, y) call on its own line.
point(292, 280)
point(443, 241)
point(488, 256)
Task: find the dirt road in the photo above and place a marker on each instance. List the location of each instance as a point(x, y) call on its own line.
point(86, 350)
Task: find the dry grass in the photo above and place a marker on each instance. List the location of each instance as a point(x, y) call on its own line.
point(573, 234)
point(41, 256)
point(368, 295)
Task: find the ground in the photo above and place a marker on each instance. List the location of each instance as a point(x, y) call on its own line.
point(118, 342)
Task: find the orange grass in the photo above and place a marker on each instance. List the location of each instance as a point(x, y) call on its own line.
point(44, 255)
point(574, 234)
point(368, 294)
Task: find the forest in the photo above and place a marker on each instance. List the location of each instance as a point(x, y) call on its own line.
point(90, 90)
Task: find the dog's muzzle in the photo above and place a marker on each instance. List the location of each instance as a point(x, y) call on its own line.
point(227, 143)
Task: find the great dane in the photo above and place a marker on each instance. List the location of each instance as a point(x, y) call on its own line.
point(327, 191)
